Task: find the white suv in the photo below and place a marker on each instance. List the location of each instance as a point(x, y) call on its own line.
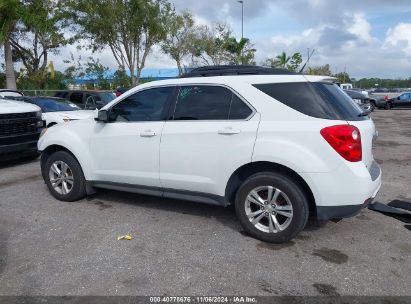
point(280, 146)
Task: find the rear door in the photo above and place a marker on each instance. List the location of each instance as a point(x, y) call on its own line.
point(211, 134)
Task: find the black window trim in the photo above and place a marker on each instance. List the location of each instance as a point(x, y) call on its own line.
point(253, 110)
point(167, 107)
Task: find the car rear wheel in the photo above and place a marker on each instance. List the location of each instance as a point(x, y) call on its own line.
point(64, 177)
point(272, 207)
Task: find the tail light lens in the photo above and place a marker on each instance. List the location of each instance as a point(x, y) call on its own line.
point(346, 140)
point(385, 97)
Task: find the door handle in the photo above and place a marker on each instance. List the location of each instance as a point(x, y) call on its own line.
point(148, 133)
point(229, 131)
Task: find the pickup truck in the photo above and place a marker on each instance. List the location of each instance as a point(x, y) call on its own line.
point(20, 128)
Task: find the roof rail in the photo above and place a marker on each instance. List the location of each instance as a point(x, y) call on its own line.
point(227, 70)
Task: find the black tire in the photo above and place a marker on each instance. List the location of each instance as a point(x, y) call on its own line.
point(387, 106)
point(296, 197)
point(78, 188)
point(372, 106)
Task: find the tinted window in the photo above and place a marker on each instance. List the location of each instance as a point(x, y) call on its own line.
point(321, 100)
point(106, 97)
point(203, 103)
point(147, 105)
point(238, 109)
point(61, 94)
point(76, 97)
point(54, 105)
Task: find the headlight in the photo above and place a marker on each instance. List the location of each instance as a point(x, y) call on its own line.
point(43, 131)
point(356, 100)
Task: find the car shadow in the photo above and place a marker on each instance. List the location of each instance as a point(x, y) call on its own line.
point(224, 215)
point(17, 162)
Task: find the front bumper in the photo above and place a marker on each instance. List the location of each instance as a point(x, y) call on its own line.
point(12, 147)
point(345, 191)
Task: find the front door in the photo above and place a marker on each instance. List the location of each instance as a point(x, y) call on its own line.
point(126, 149)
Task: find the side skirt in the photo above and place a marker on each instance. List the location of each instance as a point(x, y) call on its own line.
point(185, 195)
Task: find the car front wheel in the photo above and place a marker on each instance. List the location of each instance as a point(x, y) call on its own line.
point(272, 207)
point(64, 177)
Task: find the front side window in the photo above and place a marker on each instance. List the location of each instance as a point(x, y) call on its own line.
point(76, 97)
point(209, 103)
point(147, 105)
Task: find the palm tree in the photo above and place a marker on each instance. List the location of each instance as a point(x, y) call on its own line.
point(282, 60)
point(240, 52)
point(8, 18)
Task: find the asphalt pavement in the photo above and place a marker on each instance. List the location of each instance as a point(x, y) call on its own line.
point(48, 247)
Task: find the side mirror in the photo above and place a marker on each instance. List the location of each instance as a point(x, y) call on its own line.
point(99, 104)
point(102, 116)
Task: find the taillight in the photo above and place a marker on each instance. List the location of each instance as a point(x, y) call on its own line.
point(346, 140)
point(385, 97)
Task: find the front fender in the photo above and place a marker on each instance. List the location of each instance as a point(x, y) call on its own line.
point(72, 139)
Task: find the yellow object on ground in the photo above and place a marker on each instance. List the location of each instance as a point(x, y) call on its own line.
point(125, 237)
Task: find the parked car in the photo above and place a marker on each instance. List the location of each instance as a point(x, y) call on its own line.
point(361, 100)
point(20, 128)
point(120, 91)
point(57, 110)
point(278, 145)
point(404, 100)
point(10, 93)
point(87, 100)
point(379, 101)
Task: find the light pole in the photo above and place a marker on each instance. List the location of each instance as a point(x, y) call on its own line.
point(242, 18)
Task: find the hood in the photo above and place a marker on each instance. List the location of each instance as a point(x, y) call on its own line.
point(80, 114)
point(8, 106)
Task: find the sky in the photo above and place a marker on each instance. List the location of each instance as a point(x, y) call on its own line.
point(366, 38)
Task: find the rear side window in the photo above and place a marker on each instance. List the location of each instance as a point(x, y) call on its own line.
point(209, 103)
point(318, 99)
point(202, 103)
point(238, 109)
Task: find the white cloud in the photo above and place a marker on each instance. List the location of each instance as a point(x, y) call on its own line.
point(400, 37)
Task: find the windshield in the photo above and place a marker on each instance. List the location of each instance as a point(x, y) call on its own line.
point(106, 97)
point(55, 105)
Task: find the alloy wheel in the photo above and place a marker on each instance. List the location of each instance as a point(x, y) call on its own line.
point(61, 177)
point(268, 209)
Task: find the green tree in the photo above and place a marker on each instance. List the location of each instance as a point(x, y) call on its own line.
point(296, 60)
point(282, 60)
point(240, 52)
point(38, 28)
point(9, 15)
point(130, 28)
point(285, 62)
point(343, 77)
point(179, 31)
point(121, 79)
point(323, 70)
point(208, 45)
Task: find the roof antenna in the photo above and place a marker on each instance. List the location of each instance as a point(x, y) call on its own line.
point(308, 60)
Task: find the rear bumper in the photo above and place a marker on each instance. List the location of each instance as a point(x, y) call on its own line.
point(338, 212)
point(345, 191)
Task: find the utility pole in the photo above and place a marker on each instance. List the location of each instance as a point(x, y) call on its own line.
point(242, 18)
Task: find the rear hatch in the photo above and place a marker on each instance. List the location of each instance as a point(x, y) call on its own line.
point(325, 100)
point(346, 109)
